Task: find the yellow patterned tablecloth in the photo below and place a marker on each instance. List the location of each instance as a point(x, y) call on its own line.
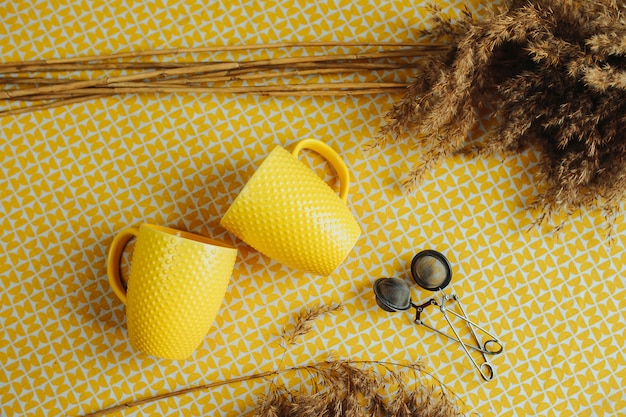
point(71, 177)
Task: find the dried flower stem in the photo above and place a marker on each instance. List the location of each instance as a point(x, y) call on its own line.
point(138, 88)
point(143, 401)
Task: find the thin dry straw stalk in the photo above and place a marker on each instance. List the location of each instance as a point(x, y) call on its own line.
point(136, 403)
point(131, 88)
point(300, 69)
point(19, 68)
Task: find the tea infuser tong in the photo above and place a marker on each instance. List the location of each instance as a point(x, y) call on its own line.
point(432, 271)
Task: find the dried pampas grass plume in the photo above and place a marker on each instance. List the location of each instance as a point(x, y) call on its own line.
point(343, 388)
point(553, 72)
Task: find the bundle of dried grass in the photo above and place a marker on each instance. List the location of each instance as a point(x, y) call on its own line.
point(554, 73)
point(337, 388)
point(43, 84)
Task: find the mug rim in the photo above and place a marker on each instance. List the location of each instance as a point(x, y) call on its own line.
point(187, 235)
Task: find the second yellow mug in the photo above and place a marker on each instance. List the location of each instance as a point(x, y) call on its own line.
point(176, 286)
point(290, 214)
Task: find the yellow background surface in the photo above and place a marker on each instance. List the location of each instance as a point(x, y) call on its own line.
point(70, 178)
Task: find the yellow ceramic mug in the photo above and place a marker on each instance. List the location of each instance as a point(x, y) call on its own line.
point(288, 213)
point(177, 283)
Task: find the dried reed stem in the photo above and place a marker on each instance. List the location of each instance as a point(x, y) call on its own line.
point(134, 88)
point(35, 66)
point(47, 106)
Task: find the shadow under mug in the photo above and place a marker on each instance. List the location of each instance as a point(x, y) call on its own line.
point(291, 215)
point(176, 286)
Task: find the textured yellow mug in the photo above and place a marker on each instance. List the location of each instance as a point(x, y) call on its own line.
point(176, 285)
point(290, 214)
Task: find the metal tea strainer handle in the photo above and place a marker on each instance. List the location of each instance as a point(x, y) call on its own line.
point(482, 348)
point(486, 370)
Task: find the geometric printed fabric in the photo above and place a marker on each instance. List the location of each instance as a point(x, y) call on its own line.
point(74, 176)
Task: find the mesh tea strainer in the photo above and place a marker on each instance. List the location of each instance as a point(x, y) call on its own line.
point(432, 271)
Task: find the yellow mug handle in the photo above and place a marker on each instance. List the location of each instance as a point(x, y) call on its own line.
point(115, 258)
point(333, 159)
